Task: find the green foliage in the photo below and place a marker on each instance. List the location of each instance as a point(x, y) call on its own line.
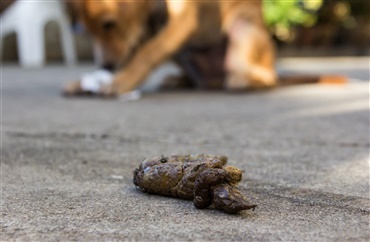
point(288, 13)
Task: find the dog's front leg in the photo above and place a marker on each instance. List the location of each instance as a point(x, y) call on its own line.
point(156, 50)
point(250, 56)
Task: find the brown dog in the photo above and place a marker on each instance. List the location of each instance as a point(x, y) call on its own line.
point(119, 28)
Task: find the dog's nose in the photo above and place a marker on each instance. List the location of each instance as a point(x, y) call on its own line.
point(109, 24)
point(108, 67)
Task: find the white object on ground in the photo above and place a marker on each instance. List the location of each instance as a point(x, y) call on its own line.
point(28, 19)
point(93, 81)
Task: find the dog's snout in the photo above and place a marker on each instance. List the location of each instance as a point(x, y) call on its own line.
point(108, 24)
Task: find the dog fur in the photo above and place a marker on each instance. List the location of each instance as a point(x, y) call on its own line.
point(119, 29)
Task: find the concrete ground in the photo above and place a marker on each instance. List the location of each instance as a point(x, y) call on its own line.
point(66, 164)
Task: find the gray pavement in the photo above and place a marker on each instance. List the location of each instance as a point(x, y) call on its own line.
point(66, 164)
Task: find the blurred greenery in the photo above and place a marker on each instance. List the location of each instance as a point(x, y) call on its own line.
point(291, 12)
point(320, 23)
point(282, 15)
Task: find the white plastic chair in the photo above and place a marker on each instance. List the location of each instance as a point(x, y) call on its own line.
point(27, 18)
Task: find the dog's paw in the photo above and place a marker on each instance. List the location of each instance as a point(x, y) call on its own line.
point(257, 79)
point(96, 84)
point(72, 89)
point(108, 91)
point(237, 82)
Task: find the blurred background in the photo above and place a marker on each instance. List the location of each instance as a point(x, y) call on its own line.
point(299, 28)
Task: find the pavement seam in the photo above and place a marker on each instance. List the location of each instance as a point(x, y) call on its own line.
point(137, 139)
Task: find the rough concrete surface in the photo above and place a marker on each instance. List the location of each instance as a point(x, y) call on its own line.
point(66, 164)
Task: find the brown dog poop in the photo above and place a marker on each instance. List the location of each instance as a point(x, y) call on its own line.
point(204, 66)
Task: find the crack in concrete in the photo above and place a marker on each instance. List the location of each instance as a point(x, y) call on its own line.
point(76, 135)
point(339, 144)
point(137, 139)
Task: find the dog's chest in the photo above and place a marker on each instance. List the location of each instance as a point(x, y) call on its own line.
point(209, 25)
